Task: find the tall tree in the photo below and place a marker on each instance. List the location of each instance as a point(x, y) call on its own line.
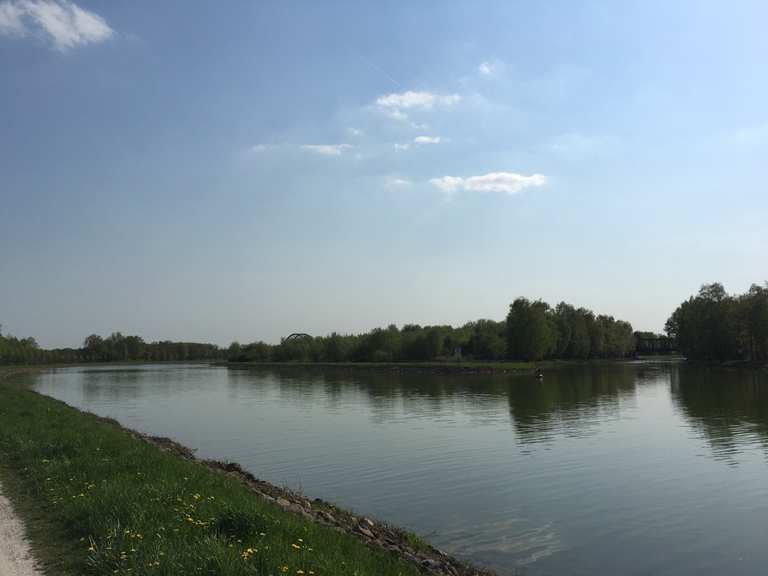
point(531, 331)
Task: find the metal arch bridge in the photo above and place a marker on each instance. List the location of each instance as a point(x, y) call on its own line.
point(297, 336)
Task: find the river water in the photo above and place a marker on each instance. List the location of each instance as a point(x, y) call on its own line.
point(636, 468)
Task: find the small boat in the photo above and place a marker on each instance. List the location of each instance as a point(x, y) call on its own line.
point(539, 375)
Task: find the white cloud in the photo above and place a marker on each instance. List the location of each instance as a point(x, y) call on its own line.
point(506, 182)
point(258, 148)
point(355, 131)
point(407, 100)
point(397, 115)
point(10, 19)
point(320, 149)
point(426, 140)
point(449, 100)
point(64, 22)
point(448, 183)
point(327, 149)
point(418, 141)
point(397, 183)
point(491, 68)
point(395, 104)
point(410, 99)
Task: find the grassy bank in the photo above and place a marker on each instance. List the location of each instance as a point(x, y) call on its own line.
point(99, 500)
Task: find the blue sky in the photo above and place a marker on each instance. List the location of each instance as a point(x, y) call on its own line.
point(240, 171)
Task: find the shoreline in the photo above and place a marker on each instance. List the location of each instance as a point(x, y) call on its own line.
point(376, 534)
point(464, 367)
point(521, 368)
point(395, 367)
point(379, 537)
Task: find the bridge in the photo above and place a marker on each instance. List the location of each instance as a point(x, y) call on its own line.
point(654, 344)
point(296, 336)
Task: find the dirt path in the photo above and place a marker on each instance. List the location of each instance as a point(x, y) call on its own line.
point(15, 556)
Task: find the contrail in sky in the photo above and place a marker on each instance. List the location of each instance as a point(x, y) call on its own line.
point(378, 69)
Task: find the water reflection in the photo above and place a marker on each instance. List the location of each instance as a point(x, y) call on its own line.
point(614, 468)
point(728, 407)
point(573, 401)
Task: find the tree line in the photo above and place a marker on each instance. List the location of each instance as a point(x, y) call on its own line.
point(114, 348)
point(532, 331)
point(714, 326)
point(19, 350)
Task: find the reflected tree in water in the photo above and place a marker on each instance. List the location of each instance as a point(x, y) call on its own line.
point(729, 407)
point(569, 401)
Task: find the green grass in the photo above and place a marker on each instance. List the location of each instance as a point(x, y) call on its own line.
point(98, 500)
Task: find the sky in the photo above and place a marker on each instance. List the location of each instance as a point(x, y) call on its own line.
point(220, 171)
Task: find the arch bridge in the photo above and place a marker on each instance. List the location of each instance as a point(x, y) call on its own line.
point(297, 336)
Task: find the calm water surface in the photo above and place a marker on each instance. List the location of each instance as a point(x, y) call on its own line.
point(620, 469)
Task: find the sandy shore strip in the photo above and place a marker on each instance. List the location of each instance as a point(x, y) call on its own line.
point(15, 555)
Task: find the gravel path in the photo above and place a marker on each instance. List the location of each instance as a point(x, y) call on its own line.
point(15, 556)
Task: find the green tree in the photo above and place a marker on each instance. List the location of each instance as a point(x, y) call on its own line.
point(531, 330)
point(705, 326)
point(487, 340)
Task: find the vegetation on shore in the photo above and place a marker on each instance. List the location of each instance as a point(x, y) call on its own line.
point(532, 331)
point(714, 326)
point(101, 501)
point(114, 348)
